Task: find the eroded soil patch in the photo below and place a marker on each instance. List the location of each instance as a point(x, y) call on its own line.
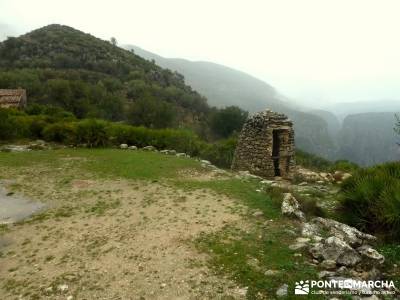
point(113, 239)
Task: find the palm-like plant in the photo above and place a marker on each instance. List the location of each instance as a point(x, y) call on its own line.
point(371, 200)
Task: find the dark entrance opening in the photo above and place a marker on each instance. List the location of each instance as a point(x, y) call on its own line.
point(276, 146)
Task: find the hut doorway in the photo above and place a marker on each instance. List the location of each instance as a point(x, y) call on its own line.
point(277, 139)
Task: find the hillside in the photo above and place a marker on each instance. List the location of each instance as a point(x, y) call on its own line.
point(369, 138)
point(224, 86)
point(62, 66)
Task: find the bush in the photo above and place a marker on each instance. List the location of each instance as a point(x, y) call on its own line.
point(92, 132)
point(60, 132)
point(312, 161)
point(345, 166)
point(220, 153)
point(7, 125)
point(371, 200)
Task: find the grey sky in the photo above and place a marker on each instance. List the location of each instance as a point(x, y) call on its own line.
point(314, 50)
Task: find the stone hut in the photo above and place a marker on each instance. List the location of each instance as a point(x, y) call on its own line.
point(13, 98)
point(266, 146)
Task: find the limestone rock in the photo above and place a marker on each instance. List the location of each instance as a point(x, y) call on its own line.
point(169, 152)
point(282, 291)
point(149, 148)
point(132, 148)
point(351, 235)
point(310, 230)
point(337, 250)
point(325, 274)
point(290, 207)
point(258, 213)
point(123, 146)
point(371, 257)
point(271, 272)
point(328, 264)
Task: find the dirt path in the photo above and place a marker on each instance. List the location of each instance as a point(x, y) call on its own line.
point(114, 239)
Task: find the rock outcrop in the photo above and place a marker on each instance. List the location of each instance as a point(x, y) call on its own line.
point(290, 207)
point(341, 251)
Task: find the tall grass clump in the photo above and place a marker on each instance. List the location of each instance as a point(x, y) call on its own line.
point(370, 200)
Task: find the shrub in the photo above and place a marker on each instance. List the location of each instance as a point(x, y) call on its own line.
point(92, 132)
point(220, 153)
point(60, 132)
point(345, 166)
point(371, 200)
point(7, 125)
point(312, 161)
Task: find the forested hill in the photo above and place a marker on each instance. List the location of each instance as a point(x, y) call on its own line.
point(90, 77)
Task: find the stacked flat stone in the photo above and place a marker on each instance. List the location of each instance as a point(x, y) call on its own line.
point(254, 152)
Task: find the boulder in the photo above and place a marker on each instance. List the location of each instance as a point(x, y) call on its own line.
point(337, 250)
point(340, 176)
point(371, 258)
point(290, 207)
point(325, 274)
point(181, 155)
point(169, 152)
point(149, 148)
point(328, 264)
point(349, 234)
point(257, 213)
point(310, 230)
point(132, 148)
point(282, 291)
point(123, 146)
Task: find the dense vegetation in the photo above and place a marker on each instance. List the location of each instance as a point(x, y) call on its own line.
point(371, 200)
point(92, 78)
point(56, 125)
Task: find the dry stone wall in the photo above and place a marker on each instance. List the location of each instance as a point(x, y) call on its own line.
point(266, 146)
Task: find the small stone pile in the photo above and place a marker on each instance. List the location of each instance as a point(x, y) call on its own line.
point(154, 149)
point(32, 146)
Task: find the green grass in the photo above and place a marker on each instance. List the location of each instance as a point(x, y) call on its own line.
point(105, 162)
point(234, 251)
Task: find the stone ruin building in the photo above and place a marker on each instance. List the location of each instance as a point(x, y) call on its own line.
point(266, 146)
point(13, 98)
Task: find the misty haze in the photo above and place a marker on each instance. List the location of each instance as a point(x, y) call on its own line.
point(198, 150)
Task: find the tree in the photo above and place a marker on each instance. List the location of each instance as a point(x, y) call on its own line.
point(113, 41)
point(152, 113)
point(226, 121)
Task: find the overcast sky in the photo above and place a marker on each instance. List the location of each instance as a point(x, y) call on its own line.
point(311, 50)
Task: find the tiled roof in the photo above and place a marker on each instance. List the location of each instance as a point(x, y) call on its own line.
point(11, 97)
